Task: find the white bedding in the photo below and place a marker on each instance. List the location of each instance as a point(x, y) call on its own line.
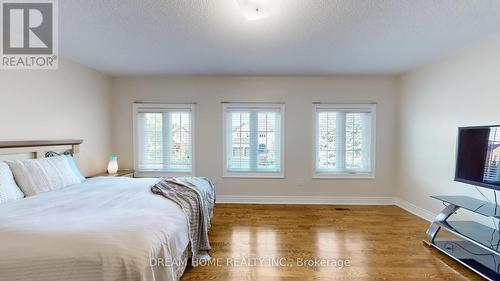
point(103, 229)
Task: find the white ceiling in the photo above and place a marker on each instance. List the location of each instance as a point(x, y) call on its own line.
point(308, 37)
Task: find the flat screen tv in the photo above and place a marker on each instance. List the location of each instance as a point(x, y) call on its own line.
point(478, 156)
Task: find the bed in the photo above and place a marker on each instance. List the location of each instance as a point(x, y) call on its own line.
point(102, 229)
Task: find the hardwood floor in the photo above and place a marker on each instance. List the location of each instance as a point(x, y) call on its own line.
point(378, 242)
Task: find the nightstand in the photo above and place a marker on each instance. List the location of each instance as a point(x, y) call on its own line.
point(120, 173)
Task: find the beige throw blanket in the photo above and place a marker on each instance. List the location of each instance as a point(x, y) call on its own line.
point(196, 201)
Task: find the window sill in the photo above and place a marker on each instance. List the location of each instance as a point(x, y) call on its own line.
point(145, 174)
point(253, 176)
point(344, 176)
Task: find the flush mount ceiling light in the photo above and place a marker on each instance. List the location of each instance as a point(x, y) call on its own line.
point(258, 9)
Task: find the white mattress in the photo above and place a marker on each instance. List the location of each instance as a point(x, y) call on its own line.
point(103, 229)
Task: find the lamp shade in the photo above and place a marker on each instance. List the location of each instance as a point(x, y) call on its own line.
point(113, 164)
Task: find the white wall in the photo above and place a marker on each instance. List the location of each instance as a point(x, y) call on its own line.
point(298, 93)
point(72, 102)
point(415, 155)
point(462, 90)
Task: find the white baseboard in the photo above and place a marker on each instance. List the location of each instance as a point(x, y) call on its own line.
point(327, 200)
point(322, 200)
point(423, 213)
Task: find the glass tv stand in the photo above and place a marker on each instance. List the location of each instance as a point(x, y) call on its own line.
point(474, 245)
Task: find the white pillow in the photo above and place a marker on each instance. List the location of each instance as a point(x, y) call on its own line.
point(9, 191)
point(42, 175)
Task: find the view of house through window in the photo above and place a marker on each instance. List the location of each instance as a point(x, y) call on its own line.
point(164, 138)
point(253, 139)
point(343, 142)
point(491, 168)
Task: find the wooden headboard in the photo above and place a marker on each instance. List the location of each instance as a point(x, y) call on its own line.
point(38, 148)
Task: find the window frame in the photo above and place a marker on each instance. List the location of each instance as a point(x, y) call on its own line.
point(162, 106)
point(372, 108)
point(250, 106)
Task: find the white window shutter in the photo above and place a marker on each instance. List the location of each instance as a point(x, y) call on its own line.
point(164, 137)
point(344, 139)
point(253, 137)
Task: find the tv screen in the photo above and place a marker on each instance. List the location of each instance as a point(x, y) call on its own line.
point(478, 156)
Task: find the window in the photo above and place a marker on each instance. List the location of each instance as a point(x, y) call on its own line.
point(163, 138)
point(253, 140)
point(344, 140)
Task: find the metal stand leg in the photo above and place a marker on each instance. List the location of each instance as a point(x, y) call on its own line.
point(441, 217)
